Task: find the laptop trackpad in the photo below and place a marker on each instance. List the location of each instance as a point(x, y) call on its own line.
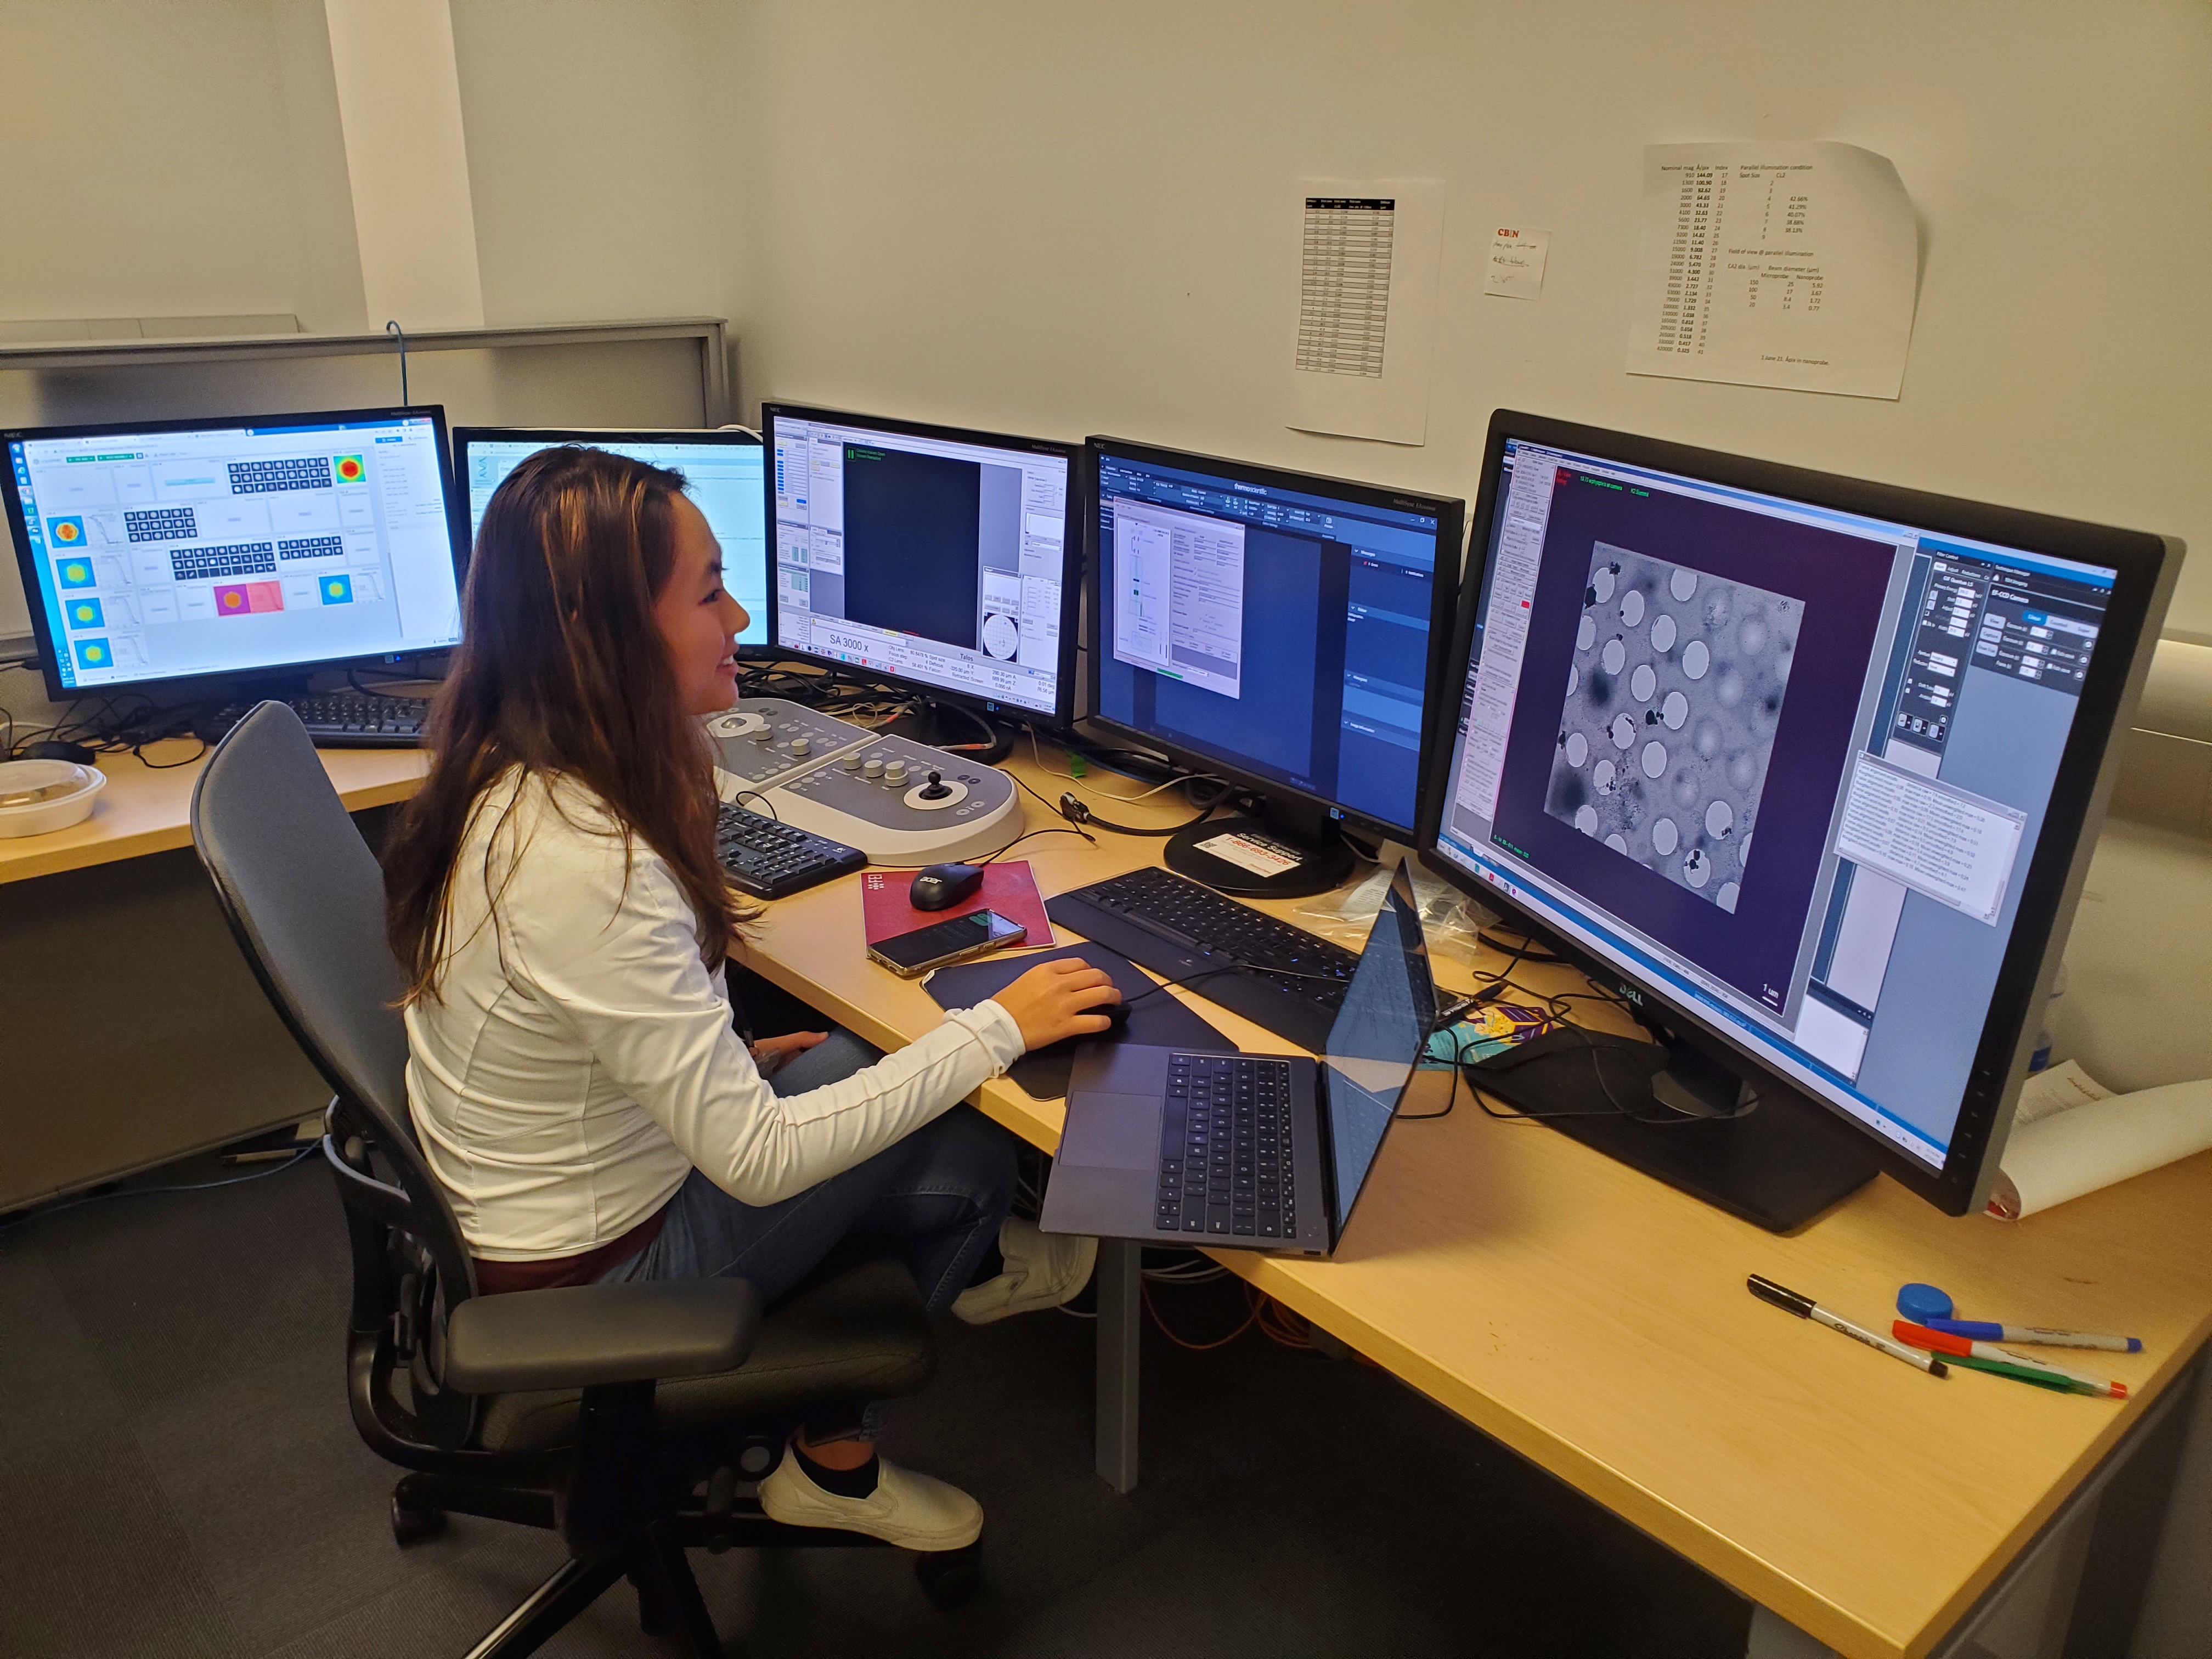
point(1112, 1132)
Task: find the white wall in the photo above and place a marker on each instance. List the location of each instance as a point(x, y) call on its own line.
point(1061, 220)
point(148, 165)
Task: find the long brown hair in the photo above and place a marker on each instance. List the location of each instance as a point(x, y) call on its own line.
point(562, 672)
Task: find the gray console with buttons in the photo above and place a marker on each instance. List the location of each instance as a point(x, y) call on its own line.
point(902, 803)
point(764, 740)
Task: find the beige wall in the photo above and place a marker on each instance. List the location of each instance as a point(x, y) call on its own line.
point(1067, 219)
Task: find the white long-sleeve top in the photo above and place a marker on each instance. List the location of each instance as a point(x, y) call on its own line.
point(578, 1061)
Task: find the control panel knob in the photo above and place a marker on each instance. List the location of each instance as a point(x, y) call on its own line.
point(873, 768)
point(800, 745)
point(937, 790)
point(896, 772)
point(852, 763)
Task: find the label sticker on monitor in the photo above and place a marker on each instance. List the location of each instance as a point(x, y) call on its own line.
point(1256, 853)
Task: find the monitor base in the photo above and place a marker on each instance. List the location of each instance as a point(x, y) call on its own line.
point(1777, 1166)
point(1319, 865)
point(952, 728)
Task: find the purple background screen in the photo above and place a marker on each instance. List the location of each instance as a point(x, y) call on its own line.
point(1841, 581)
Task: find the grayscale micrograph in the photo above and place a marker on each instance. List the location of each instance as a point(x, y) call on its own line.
point(1673, 700)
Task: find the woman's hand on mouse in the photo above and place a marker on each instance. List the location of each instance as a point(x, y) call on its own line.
point(1055, 1000)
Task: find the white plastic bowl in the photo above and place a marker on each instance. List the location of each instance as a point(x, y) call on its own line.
point(57, 812)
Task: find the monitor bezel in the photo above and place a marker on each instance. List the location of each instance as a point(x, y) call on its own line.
point(1062, 715)
point(552, 436)
point(1450, 513)
point(2145, 566)
point(26, 564)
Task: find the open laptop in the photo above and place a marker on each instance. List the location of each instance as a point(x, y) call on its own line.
point(1247, 1151)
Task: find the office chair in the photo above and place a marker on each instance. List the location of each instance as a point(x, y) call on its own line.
point(627, 1418)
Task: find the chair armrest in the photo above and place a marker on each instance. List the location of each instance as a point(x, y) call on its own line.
point(578, 1335)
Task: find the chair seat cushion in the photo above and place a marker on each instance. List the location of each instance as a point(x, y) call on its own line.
point(862, 1335)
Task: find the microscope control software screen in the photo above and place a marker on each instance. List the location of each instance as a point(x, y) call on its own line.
point(1787, 763)
point(166, 554)
point(938, 561)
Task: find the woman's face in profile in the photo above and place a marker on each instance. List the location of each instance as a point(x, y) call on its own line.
point(698, 618)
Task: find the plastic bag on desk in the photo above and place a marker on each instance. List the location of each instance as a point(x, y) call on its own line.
point(1449, 917)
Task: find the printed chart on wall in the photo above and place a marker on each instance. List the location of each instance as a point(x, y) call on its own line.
point(1777, 265)
point(1368, 254)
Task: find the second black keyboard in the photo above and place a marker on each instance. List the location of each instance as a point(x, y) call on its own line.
point(340, 719)
point(1274, 974)
point(768, 859)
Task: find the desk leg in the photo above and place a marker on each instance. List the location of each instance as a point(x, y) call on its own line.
point(1773, 1637)
point(1120, 1321)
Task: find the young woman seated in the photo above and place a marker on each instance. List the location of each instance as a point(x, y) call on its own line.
point(574, 1074)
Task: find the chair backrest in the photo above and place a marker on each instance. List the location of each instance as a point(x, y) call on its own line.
point(304, 898)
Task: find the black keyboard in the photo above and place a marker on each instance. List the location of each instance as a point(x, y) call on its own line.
point(341, 720)
point(1225, 1165)
point(1274, 974)
point(771, 860)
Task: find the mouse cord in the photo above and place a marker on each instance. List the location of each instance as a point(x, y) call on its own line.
point(1032, 834)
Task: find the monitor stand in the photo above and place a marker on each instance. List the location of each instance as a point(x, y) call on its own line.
point(1292, 850)
point(952, 728)
point(1777, 1166)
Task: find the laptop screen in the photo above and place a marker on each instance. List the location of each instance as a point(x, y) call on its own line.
point(1376, 1040)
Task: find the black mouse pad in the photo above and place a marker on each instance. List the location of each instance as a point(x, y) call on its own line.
point(1159, 1020)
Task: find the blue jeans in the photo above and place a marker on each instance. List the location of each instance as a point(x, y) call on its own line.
point(933, 1200)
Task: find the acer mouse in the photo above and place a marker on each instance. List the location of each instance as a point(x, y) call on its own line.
point(944, 884)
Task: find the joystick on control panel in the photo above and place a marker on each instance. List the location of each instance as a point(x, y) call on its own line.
point(903, 804)
point(764, 740)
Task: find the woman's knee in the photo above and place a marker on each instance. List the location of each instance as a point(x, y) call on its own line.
point(970, 1151)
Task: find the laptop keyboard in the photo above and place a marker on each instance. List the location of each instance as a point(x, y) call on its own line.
point(1225, 1165)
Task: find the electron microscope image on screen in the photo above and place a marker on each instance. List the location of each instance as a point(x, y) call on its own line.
point(1673, 700)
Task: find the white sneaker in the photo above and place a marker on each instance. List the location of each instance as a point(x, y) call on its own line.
point(1043, 1270)
point(908, 1510)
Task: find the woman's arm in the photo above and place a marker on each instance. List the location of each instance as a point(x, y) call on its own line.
point(622, 969)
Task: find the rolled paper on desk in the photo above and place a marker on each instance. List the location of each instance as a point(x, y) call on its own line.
point(2085, 1147)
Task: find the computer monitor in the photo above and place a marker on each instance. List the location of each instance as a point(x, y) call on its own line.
point(928, 557)
point(1280, 631)
point(1808, 769)
point(722, 470)
point(165, 552)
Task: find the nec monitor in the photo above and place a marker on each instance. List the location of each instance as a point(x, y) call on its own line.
point(160, 551)
point(722, 472)
point(927, 557)
point(1280, 631)
point(1809, 769)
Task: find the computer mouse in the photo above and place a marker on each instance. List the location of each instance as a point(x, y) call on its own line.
point(52, 749)
point(1117, 1016)
point(944, 884)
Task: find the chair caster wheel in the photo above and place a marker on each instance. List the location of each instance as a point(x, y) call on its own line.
point(412, 1526)
point(950, 1578)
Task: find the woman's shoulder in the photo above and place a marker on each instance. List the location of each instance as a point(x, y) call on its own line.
point(550, 831)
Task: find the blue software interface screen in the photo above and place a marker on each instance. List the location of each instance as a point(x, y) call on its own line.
point(1280, 631)
point(227, 549)
point(724, 483)
point(1788, 763)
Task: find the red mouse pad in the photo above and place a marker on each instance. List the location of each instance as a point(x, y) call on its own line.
point(1009, 889)
point(1158, 1019)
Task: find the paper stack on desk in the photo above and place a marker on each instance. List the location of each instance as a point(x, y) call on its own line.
point(2071, 1135)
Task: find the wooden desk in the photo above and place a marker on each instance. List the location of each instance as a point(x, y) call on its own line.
point(142, 1037)
point(1597, 1322)
point(147, 805)
point(1592, 1320)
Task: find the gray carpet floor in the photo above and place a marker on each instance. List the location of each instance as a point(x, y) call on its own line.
point(179, 1478)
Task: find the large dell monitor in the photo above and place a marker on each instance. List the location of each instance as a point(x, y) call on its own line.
point(168, 552)
point(723, 475)
point(1280, 631)
point(935, 559)
point(1809, 769)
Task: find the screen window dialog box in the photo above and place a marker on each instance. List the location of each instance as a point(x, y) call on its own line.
point(1786, 762)
point(184, 550)
point(935, 559)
